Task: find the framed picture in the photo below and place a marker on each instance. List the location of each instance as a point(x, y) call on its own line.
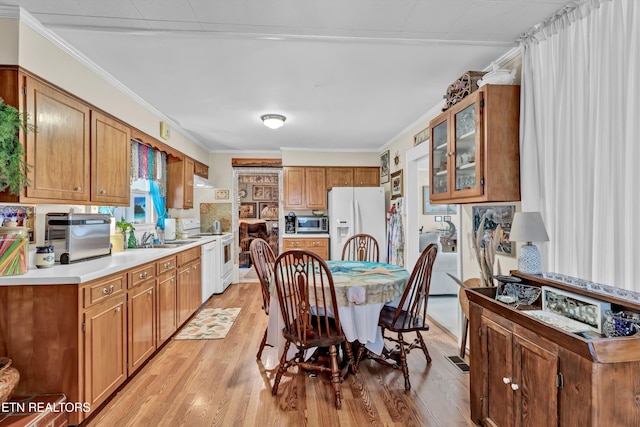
point(396, 184)
point(437, 218)
point(222, 194)
point(495, 215)
point(269, 211)
point(384, 167)
point(248, 210)
point(429, 209)
point(264, 192)
point(421, 137)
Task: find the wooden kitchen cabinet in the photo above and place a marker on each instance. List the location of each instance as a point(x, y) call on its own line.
point(59, 152)
point(366, 177)
point(319, 246)
point(180, 182)
point(339, 177)
point(105, 349)
point(474, 148)
point(189, 291)
point(305, 188)
point(166, 299)
point(141, 316)
point(110, 160)
point(524, 371)
point(201, 169)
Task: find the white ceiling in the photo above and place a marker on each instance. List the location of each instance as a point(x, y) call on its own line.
point(348, 74)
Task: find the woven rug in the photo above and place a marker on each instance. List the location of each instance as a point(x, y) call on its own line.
point(209, 324)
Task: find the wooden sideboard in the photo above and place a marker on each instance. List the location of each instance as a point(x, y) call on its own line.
point(527, 372)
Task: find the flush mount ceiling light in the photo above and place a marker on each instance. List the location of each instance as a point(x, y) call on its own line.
point(273, 121)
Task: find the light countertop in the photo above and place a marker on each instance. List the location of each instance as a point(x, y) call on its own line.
point(85, 271)
point(305, 236)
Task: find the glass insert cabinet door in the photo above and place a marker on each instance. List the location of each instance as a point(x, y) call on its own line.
point(439, 159)
point(466, 135)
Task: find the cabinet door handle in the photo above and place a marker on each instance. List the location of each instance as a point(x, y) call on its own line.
point(117, 310)
point(514, 387)
point(506, 380)
point(111, 289)
point(105, 291)
point(150, 292)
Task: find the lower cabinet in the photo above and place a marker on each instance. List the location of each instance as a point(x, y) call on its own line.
point(105, 350)
point(189, 291)
point(141, 324)
point(319, 246)
point(167, 306)
point(520, 385)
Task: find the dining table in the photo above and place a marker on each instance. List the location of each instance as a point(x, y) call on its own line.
point(362, 288)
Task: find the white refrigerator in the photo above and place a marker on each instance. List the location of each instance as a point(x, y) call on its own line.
point(355, 210)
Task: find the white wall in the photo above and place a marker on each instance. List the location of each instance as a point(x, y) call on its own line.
point(9, 44)
point(324, 158)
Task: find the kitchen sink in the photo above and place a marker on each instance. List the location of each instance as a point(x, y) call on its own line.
point(167, 245)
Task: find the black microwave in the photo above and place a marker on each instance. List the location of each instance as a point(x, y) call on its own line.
point(312, 224)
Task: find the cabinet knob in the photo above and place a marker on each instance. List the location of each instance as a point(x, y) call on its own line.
point(117, 310)
point(514, 387)
point(78, 189)
point(506, 380)
point(105, 291)
point(150, 292)
point(103, 191)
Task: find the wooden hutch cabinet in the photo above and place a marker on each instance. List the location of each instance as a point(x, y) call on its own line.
point(525, 371)
point(474, 148)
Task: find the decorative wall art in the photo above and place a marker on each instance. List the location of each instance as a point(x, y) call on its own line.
point(429, 209)
point(384, 167)
point(421, 136)
point(268, 211)
point(258, 179)
point(222, 194)
point(495, 215)
point(265, 192)
point(248, 210)
point(396, 184)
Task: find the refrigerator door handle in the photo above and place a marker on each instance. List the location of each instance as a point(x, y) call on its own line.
point(351, 218)
point(358, 220)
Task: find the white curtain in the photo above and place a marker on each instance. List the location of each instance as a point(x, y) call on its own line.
point(580, 139)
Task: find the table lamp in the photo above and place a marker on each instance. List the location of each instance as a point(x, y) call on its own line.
point(528, 227)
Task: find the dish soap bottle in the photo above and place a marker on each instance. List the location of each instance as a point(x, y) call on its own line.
point(131, 243)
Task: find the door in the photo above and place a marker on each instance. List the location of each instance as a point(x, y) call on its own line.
point(110, 160)
point(466, 133)
point(341, 219)
point(142, 325)
point(370, 215)
point(105, 349)
point(440, 153)
point(58, 151)
point(536, 394)
point(497, 345)
point(167, 318)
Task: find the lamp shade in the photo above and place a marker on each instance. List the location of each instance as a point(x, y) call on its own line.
point(273, 121)
point(528, 227)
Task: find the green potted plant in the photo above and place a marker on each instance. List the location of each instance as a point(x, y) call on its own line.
point(13, 168)
point(125, 226)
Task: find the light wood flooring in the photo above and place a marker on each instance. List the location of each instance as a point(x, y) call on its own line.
point(220, 383)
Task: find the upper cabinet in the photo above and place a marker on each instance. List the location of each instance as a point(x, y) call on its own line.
point(110, 162)
point(475, 150)
point(353, 177)
point(305, 188)
point(180, 182)
point(77, 155)
point(59, 150)
point(201, 170)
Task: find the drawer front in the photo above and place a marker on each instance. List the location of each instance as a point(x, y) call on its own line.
point(317, 243)
point(188, 255)
point(103, 289)
point(165, 264)
point(142, 274)
point(293, 243)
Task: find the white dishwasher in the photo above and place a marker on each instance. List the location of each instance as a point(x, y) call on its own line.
point(210, 259)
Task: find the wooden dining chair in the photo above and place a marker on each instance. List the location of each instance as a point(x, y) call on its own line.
point(361, 247)
point(474, 282)
point(307, 300)
point(409, 316)
point(262, 258)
